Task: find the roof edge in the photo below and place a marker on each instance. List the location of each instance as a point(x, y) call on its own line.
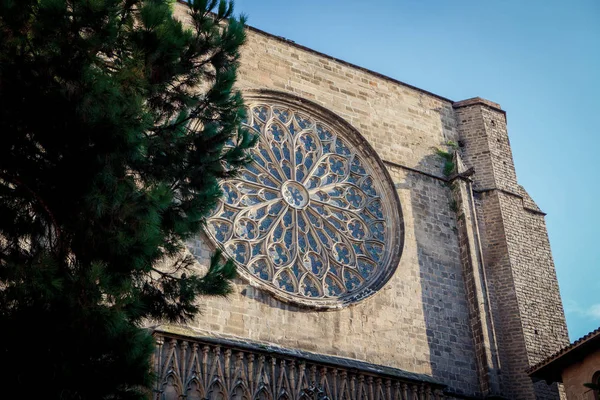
point(346, 63)
point(539, 369)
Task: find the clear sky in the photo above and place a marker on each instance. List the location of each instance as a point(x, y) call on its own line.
point(540, 59)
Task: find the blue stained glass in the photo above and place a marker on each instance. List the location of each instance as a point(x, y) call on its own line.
point(323, 238)
point(354, 197)
point(261, 112)
point(375, 209)
point(301, 222)
point(298, 158)
point(287, 239)
point(279, 254)
point(336, 201)
point(351, 280)
point(314, 220)
point(324, 133)
point(334, 269)
point(296, 270)
point(260, 269)
point(353, 179)
point(292, 128)
point(247, 189)
point(221, 230)
point(375, 250)
point(357, 166)
point(365, 268)
point(256, 249)
point(257, 213)
point(277, 233)
point(250, 200)
point(341, 148)
point(365, 217)
point(339, 215)
point(269, 195)
point(227, 213)
point(313, 183)
point(329, 179)
point(335, 242)
point(341, 253)
point(333, 288)
point(300, 174)
point(275, 209)
point(312, 241)
point(274, 172)
point(259, 160)
point(308, 160)
point(358, 248)
point(308, 142)
point(277, 133)
point(265, 224)
point(303, 122)
point(321, 169)
point(377, 230)
point(276, 152)
point(246, 229)
point(335, 191)
point(287, 219)
point(282, 115)
point(301, 242)
point(356, 229)
point(336, 223)
point(310, 289)
point(337, 166)
point(286, 151)
point(321, 196)
point(284, 281)
point(239, 251)
point(367, 186)
point(330, 232)
point(265, 154)
point(313, 263)
point(285, 166)
point(319, 209)
point(231, 194)
point(252, 168)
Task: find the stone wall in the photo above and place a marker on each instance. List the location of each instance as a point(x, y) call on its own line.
point(525, 301)
point(422, 320)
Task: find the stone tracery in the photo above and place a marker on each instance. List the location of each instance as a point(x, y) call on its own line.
point(307, 217)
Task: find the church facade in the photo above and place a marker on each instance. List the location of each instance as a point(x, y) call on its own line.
point(384, 246)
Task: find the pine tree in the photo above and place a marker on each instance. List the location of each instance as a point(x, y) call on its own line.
point(116, 125)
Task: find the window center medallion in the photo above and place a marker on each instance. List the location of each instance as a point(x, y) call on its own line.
point(295, 194)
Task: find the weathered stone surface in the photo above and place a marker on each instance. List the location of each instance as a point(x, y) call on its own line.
point(446, 312)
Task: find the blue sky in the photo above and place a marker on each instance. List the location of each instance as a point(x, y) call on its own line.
point(539, 59)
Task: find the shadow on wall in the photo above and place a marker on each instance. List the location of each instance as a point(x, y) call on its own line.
point(444, 300)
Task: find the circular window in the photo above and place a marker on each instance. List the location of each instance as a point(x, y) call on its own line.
point(315, 218)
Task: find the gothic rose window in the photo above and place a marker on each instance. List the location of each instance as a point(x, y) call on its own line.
point(311, 218)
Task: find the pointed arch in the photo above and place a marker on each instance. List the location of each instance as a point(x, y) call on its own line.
point(171, 388)
point(216, 391)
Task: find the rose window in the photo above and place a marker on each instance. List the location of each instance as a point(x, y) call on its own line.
point(311, 218)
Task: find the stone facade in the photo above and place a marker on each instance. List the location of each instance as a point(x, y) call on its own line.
point(463, 306)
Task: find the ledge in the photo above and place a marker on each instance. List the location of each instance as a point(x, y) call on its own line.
point(478, 101)
point(186, 333)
